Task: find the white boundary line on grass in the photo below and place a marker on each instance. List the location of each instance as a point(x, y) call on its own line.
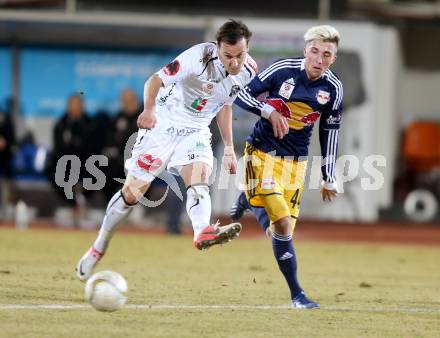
point(216, 307)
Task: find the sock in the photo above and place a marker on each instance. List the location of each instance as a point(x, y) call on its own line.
point(262, 217)
point(198, 206)
point(117, 210)
point(285, 256)
point(259, 212)
point(242, 199)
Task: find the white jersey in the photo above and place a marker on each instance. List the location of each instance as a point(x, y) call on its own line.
point(197, 86)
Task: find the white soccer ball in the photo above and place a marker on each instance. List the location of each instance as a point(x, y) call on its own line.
point(105, 291)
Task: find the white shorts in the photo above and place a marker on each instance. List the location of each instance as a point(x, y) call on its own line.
point(170, 147)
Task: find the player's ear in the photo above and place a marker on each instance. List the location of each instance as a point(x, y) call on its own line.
point(304, 51)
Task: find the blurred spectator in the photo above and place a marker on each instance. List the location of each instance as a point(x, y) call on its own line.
point(72, 136)
point(100, 125)
point(30, 160)
point(119, 130)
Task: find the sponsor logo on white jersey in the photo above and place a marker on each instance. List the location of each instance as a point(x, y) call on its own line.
point(208, 87)
point(172, 68)
point(180, 131)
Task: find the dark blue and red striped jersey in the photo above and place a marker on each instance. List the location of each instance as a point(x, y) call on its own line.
point(303, 102)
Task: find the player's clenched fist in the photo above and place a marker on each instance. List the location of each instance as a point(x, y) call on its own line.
point(279, 124)
point(229, 160)
point(147, 119)
point(328, 195)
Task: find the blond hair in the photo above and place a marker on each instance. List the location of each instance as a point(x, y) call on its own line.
point(324, 33)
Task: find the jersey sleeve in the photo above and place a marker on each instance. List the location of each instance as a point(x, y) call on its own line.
point(329, 125)
point(247, 99)
point(187, 63)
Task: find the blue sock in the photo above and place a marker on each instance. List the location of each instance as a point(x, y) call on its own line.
point(286, 259)
point(260, 213)
point(262, 217)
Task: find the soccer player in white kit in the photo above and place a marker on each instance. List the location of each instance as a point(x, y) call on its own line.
point(180, 100)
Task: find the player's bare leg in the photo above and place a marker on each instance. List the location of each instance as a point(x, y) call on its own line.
point(198, 206)
point(118, 209)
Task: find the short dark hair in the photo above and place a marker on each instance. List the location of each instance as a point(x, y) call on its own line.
point(233, 31)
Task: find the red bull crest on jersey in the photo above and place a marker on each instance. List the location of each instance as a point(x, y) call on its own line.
point(323, 97)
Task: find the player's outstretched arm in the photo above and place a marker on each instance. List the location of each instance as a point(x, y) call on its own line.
point(147, 119)
point(224, 122)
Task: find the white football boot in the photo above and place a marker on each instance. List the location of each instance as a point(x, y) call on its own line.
point(87, 263)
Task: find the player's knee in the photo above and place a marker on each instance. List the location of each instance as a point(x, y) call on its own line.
point(204, 176)
point(283, 226)
point(131, 195)
point(134, 189)
point(201, 174)
point(195, 173)
point(128, 196)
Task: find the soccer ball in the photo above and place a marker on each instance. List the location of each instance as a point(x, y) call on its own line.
point(105, 291)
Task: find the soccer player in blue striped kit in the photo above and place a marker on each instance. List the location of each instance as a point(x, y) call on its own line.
point(299, 92)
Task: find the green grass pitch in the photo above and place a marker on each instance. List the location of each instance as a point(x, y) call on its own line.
point(365, 290)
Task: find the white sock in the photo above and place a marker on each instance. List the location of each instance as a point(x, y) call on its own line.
point(116, 211)
point(198, 207)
